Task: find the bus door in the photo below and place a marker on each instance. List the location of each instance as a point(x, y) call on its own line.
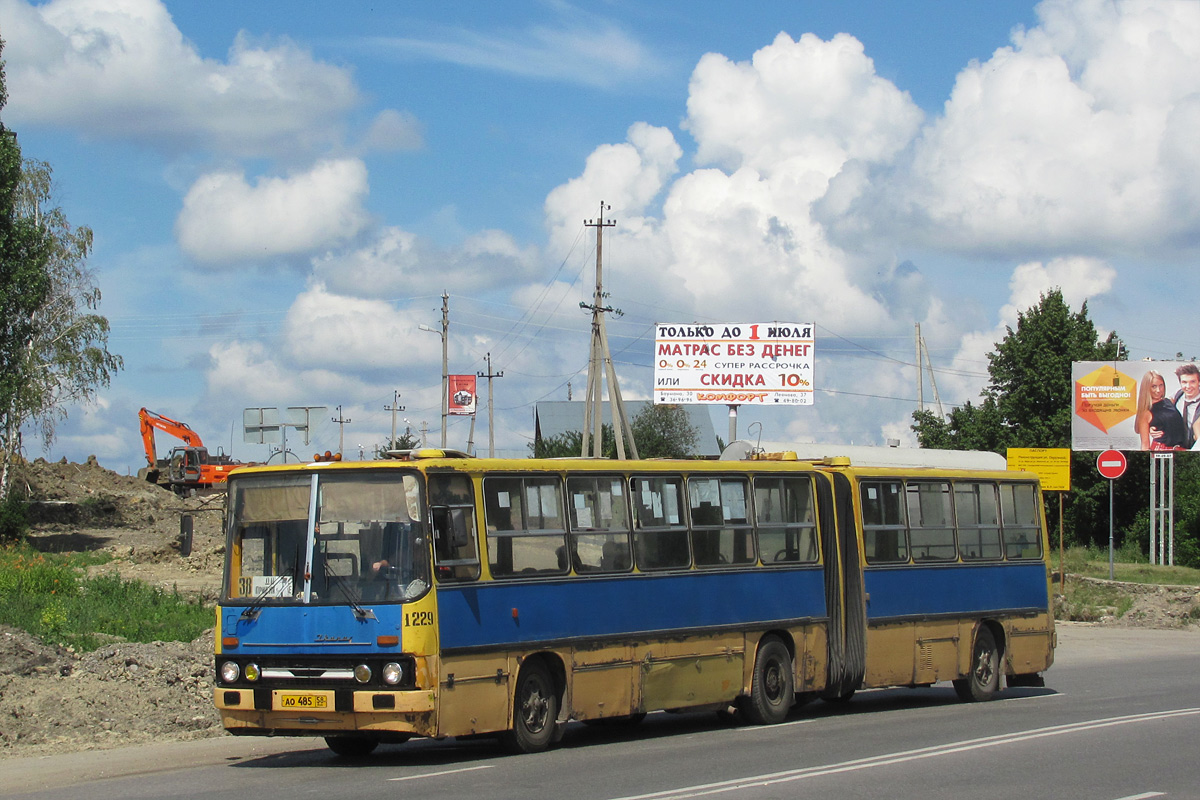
point(844, 599)
point(472, 684)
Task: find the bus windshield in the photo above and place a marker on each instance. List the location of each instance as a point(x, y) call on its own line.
point(327, 538)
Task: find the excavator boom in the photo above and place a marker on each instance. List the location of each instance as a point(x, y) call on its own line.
point(180, 430)
point(189, 467)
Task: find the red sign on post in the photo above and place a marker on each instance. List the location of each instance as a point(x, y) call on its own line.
point(1111, 464)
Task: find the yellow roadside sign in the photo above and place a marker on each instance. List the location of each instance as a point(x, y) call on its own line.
point(1052, 465)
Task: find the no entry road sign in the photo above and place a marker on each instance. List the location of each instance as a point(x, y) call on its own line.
point(1111, 464)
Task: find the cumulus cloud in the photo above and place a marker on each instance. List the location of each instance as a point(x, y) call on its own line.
point(396, 262)
point(393, 130)
point(226, 219)
point(325, 330)
point(1069, 139)
point(626, 176)
point(797, 106)
point(122, 69)
point(1079, 278)
point(251, 375)
point(776, 130)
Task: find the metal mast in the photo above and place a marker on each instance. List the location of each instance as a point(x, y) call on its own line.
point(600, 362)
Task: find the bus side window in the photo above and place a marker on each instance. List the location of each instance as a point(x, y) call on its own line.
point(526, 525)
point(931, 521)
point(660, 530)
point(978, 513)
point(452, 508)
point(721, 532)
point(884, 534)
point(785, 520)
point(1018, 513)
point(599, 517)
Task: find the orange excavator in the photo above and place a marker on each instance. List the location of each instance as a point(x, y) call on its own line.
point(190, 467)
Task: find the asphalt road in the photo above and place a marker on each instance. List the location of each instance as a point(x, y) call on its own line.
point(1118, 720)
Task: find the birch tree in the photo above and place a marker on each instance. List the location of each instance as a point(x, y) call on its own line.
point(53, 345)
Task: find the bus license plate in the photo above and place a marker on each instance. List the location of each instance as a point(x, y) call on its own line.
point(317, 702)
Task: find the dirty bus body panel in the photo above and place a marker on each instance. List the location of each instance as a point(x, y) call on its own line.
point(441, 595)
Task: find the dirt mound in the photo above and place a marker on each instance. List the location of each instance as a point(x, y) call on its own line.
point(55, 701)
point(84, 507)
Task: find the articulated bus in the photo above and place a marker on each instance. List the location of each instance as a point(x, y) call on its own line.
point(440, 595)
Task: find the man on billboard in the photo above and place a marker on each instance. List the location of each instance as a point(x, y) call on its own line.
point(1187, 399)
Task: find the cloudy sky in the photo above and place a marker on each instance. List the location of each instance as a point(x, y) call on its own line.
point(282, 191)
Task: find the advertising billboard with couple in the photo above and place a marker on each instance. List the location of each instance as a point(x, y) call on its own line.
point(1136, 405)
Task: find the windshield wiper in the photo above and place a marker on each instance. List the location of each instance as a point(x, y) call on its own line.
point(254, 609)
point(360, 613)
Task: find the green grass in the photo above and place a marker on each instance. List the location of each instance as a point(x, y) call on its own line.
point(1093, 563)
point(49, 595)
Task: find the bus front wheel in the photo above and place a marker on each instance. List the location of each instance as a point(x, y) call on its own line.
point(772, 693)
point(535, 711)
point(983, 680)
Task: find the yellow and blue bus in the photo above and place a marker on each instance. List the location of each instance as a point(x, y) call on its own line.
point(439, 595)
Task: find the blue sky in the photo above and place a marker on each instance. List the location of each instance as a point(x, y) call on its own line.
point(280, 193)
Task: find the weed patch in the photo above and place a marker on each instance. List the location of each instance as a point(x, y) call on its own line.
point(49, 596)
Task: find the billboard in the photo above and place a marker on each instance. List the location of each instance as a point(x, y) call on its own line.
point(461, 399)
point(1135, 405)
point(764, 363)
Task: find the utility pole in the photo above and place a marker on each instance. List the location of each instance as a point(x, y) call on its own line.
point(342, 423)
point(600, 362)
point(491, 428)
point(445, 364)
point(444, 333)
point(922, 350)
point(394, 407)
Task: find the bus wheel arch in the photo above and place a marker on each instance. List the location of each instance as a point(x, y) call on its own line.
point(537, 701)
point(773, 684)
point(985, 665)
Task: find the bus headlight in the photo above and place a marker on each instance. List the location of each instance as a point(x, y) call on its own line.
point(392, 673)
point(362, 673)
point(252, 673)
point(230, 671)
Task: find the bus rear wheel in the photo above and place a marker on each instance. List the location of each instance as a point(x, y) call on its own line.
point(351, 746)
point(983, 680)
point(772, 693)
point(535, 711)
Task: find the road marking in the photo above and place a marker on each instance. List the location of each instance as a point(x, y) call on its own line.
point(437, 774)
point(1143, 796)
point(1053, 696)
point(903, 756)
point(760, 728)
